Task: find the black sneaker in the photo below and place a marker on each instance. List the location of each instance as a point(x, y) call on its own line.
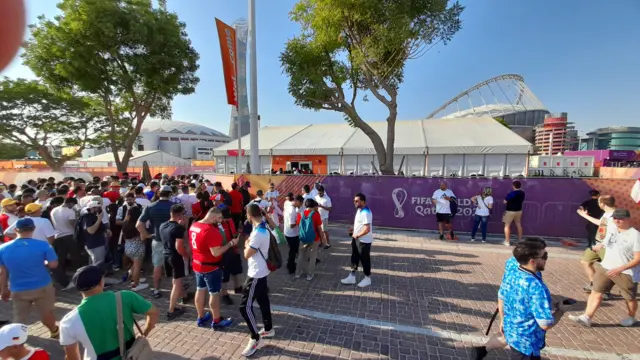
point(177, 312)
point(317, 261)
point(478, 352)
point(238, 290)
point(441, 236)
point(326, 247)
point(156, 294)
point(227, 299)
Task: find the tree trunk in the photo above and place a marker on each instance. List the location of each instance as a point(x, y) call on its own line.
point(44, 153)
point(387, 167)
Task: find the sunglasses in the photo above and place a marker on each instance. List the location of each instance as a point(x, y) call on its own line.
point(544, 257)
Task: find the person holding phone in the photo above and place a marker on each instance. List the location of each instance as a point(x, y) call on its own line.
point(528, 309)
point(95, 231)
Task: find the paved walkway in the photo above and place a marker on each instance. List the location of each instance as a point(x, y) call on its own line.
point(429, 300)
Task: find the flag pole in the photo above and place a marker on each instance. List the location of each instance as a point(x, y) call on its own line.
point(253, 108)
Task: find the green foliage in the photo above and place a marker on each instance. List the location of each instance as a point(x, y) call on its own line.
point(34, 116)
point(133, 57)
point(351, 48)
point(12, 151)
point(501, 121)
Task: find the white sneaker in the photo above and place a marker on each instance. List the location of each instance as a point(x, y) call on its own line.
point(349, 280)
point(141, 280)
point(252, 347)
point(267, 334)
point(580, 319)
point(111, 281)
point(472, 239)
point(506, 243)
point(628, 321)
point(140, 287)
point(366, 281)
point(309, 277)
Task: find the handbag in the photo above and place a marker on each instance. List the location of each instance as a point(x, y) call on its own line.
point(141, 348)
point(485, 205)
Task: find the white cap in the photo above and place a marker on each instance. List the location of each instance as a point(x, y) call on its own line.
point(13, 334)
point(93, 204)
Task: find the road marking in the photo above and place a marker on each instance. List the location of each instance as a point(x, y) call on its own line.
point(450, 335)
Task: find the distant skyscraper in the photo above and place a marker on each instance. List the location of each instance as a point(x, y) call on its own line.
point(241, 62)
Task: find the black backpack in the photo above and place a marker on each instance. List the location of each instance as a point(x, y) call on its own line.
point(274, 257)
point(78, 231)
point(226, 198)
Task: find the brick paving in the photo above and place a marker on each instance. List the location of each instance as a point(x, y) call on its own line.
point(419, 284)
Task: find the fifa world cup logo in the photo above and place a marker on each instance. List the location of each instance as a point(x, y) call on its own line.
point(399, 196)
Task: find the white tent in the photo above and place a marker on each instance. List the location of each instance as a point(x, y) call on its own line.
point(352, 151)
point(480, 135)
point(153, 158)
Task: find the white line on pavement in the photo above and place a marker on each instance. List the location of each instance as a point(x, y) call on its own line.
point(444, 334)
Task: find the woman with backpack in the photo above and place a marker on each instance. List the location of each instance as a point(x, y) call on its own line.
point(484, 204)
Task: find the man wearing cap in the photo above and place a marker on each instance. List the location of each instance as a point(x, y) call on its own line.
point(114, 192)
point(156, 213)
point(13, 338)
point(620, 267)
point(43, 229)
point(94, 232)
point(94, 322)
point(25, 278)
point(9, 214)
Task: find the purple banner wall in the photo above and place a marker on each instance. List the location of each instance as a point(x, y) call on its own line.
point(549, 208)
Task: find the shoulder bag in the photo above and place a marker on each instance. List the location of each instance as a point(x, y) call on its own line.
point(141, 348)
point(485, 205)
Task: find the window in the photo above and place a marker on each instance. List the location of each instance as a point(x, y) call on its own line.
point(140, 147)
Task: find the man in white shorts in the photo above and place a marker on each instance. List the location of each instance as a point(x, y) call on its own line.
point(324, 207)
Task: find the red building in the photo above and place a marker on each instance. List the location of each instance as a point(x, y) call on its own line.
point(555, 135)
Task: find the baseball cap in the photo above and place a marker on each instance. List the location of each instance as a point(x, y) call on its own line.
point(8, 202)
point(93, 204)
point(33, 207)
point(166, 188)
point(141, 185)
point(87, 277)
point(25, 223)
point(13, 334)
point(621, 214)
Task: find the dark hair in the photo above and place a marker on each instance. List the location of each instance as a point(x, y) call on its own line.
point(234, 186)
point(29, 191)
point(203, 198)
point(71, 200)
point(129, 195)
point(310, 203)
point(306, 189)
point(528, 249)
point(177, 209)
point(254, 210)
point(185, 189)
point(517, 184)
point(138, 190)
point(290, 196)
point(320, 188)
point(259, 192)
point(217, 184)
point(594, 193)
point(56, 201)
point(299, 198)
point(104, 183)
point(361, 197)
point(164, 194)
point(608, 200)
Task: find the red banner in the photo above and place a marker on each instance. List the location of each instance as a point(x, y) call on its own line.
point(235, 153)
point(227, 36)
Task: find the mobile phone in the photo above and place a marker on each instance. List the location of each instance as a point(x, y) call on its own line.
point(569, 301)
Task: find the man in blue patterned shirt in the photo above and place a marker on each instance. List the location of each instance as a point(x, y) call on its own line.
point(527, 302)
point(497, 340)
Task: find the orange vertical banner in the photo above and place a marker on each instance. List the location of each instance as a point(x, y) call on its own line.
point(227, 36)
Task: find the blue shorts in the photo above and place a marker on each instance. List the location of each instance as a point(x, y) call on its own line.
point(211, 281)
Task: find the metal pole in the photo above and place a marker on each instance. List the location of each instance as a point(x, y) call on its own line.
point(239, 154)
point(253, 105)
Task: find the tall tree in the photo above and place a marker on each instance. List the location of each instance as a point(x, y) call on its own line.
point(34, 116)
point(133, 57)
point(12, 151)
point(351, 48)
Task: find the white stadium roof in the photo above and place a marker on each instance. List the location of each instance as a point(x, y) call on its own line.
point(470, 135)
point(179, 127)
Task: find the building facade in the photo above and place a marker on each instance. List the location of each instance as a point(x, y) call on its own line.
point(612, 138)
point(555, 135)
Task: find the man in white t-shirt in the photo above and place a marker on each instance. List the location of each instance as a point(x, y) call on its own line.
point(316, 188)
point(442, 200)
point(44, 230)
point(324, 207)
point(291, 206)
point(306, 192)
point(186, 200)
point(263, 204)
point(255, 287)
point(272, 193)
point(361, 239)
point(64, 221)
point(620, 267)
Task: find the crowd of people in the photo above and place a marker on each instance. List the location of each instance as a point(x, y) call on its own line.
point(109, 230)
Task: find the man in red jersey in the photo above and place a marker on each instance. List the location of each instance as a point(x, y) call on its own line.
point(236, 205)
point(12, 344)
point(207, 250)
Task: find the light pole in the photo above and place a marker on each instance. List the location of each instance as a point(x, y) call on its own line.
point(253, 102)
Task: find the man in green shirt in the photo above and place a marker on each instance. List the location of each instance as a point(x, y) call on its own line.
point(94, 322)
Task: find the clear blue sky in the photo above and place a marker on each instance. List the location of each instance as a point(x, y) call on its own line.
point(578, 56)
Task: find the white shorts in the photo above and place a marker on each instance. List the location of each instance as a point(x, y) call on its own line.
point(325, 224)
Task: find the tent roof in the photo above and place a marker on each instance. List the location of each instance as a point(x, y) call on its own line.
point(136, 155)
point(471, 135)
